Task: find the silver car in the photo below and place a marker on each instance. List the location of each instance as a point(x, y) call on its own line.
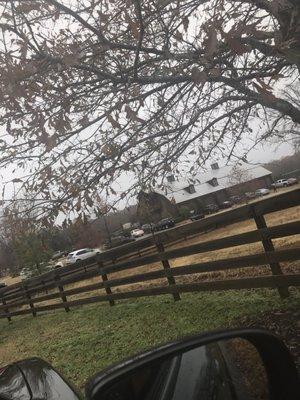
point(262, 192)
point(81, 254)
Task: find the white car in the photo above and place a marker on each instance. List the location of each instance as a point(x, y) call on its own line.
point(137, 233)
point(280, 183)
point(81, 254)
point(262, 192)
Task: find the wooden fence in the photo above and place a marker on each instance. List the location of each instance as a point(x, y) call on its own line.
point(29, 297)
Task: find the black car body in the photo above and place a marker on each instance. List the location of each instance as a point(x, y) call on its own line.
point(236, 199)
point(211, 208)
point(195, 215)
point(34, 379)
point(165, 223)
point(226, 204)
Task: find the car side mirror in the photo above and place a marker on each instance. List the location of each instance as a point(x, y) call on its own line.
point(232, 365)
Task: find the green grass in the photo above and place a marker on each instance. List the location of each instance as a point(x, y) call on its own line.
point(85, 340)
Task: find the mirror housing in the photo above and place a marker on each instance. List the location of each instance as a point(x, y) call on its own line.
point(282, 377)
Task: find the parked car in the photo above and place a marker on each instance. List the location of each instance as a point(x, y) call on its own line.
point(148, 228)
point(59, 254)
point(226, 204)
point(262, 192)
point(292, 181)
point(135, 225)
point(236, 199)
point(2, 285)
point(136, 233)
point(165, 223)
point(250, 195)
point(117, 241)
point(196, 214)
point(211, 208)
point(81, 254)
point(280, 183)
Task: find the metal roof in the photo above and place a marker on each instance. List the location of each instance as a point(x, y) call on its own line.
point(175, 190)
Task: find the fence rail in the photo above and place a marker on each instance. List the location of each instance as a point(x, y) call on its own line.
point(24, 298)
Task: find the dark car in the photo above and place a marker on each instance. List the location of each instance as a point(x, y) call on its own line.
point(2, 285)
point(194, 215)
point(165, 223)
point(226, 204)
point(236, 199)
point(148, 228)
point(34, 379)
point(117, 241)
point(211, 208)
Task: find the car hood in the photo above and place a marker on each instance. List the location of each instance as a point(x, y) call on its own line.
point(34, 379)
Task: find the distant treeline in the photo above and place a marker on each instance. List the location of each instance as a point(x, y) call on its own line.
point(286, 167)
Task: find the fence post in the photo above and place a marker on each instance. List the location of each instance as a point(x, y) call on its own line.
point(268, 246)
point(31, 305)
point(6, 309)
point(167, 267)
point(61, 290)
point(105, 279)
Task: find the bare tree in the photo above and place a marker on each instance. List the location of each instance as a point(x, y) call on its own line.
point(239, 175)
point(239, 178)
point(91, 89)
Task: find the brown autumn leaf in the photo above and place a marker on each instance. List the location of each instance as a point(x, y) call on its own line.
point(84, 121)
point(135, 29)
point(26, 7)
point(131, 114)
point(178, 36)
point(113, 122)
point(51, 142)
point(88, 200)
point(70, 60)
point(199, 76)
point(78, 204)
point(236, 45)
point(215, 72)
point(211, 42)
point(185, 22)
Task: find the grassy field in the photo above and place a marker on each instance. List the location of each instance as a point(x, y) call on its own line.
point(87, 339)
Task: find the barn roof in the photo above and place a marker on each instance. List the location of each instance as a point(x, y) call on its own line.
point(202, 187)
